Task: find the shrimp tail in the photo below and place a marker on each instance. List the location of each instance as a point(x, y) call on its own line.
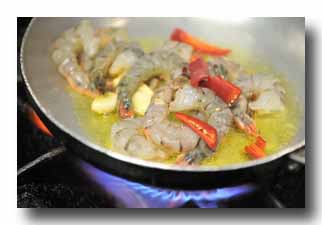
point(246, 124)
point(195, 156)
point(125, 111)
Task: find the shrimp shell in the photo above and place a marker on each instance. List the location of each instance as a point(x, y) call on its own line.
point(128, 139)
point(181, 49)
point(264, 91)
point(162, 131)
point(207, 107)
point(165, 64)
point(90, 42)
point(106, 58)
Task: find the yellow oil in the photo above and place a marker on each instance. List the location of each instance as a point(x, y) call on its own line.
point(277, 129)
point(149, 43)
point(96, 126)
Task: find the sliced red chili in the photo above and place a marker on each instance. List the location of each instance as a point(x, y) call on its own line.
point(198, 72)
point(227, 91)
point(203, 129)
point(260, 142)
point(199, 76)
point(255, 151)
point(197, 44)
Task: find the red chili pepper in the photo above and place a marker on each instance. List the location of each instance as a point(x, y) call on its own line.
point(198, 45)
point(227, 91)
point(199, 76)
point(198, 72)
point(260, 142)
point(255, 151)
point(203, 129)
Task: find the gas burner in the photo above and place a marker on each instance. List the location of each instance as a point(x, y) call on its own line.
point(136, 195)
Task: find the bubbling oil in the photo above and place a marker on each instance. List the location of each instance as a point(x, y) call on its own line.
point(277, 129)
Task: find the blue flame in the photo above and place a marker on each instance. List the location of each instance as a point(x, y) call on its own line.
point(136, 195)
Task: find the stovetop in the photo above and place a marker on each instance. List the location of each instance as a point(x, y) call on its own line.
point(51, 176)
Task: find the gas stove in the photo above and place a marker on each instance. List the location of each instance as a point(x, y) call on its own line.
point(51, 176)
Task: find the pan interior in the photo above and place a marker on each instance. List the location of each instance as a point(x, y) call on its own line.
point(279, 41)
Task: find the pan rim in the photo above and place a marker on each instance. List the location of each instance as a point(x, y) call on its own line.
point(136, 161)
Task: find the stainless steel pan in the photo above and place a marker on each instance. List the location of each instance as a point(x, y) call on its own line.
point(277, 41)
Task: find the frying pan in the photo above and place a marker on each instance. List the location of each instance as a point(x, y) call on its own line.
point(278, 41)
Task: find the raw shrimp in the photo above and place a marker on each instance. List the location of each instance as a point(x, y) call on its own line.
point(65, 52)
point(85, 62)
point(106, 58)
point(264, 92)
point(220, 65)
point(90, 42)
point(241, 118)
point(208, 107)
point(200, 99)
point(126, 59)
point(165, 64)
point(106, 34)
point(181, 49)
point(128, 138)
point(163, 132)
point(222, 121)
point(67, 46)
point(79, 41)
